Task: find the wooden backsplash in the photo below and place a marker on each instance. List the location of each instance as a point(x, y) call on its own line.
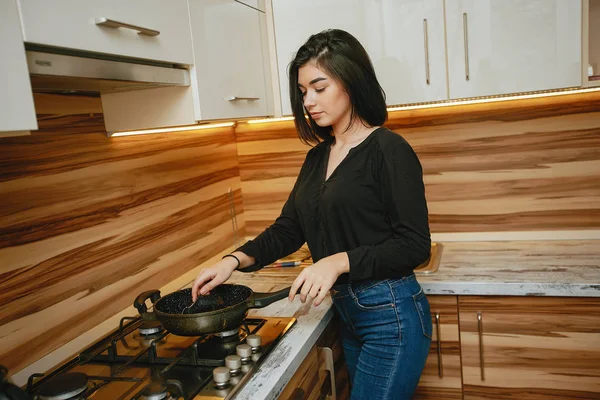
point(89, 222)
point(522, 165)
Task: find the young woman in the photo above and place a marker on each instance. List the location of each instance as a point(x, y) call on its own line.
point(359, 203)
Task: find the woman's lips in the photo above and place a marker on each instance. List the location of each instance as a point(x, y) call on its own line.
point(316, 114)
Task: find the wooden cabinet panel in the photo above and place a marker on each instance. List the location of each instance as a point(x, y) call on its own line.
point(441, 378)
point(305, 380)
point(530, 347)
point(312, 380)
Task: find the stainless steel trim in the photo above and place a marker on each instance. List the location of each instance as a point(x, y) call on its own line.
point(439, 345)
point(111, 23)
point(426, 51)
point(237, 98)
point(466, 44)
point(480, 329)
point(66, 72)
point(325, 355)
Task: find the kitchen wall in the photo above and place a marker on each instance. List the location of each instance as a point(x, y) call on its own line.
point(89, 222)
point(521, 165)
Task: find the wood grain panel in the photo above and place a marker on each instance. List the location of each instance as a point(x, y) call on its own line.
point(522, 165)
point(533, 348)
point(449, 385)
point(88, 222)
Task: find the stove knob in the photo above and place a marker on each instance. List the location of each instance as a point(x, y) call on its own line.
point(234, 363)
point(254, 341)
point(221, 376)
point(256, 356)
point(245, 352)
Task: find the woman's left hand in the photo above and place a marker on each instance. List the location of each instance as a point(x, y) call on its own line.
point(316, 280)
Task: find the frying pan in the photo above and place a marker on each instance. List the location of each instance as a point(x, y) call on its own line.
point(223, 309)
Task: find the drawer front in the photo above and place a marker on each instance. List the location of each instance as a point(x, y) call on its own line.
point(73, 24)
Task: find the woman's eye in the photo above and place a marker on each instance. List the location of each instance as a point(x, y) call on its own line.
point(319, 90)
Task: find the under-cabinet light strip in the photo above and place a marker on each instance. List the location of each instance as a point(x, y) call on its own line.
point(447, 103)
point(174, 129)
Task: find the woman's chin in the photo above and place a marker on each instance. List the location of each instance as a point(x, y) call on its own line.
point(322, 122)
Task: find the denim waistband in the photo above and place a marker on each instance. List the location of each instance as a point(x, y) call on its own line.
point(343, 289)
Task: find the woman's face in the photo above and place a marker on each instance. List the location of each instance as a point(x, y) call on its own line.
point(324, 98)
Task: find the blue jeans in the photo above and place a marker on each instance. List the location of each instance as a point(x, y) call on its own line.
point(386, 333)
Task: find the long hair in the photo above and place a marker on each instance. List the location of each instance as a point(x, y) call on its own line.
point(341, 56)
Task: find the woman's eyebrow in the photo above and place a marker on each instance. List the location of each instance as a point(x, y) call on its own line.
point(313, 81)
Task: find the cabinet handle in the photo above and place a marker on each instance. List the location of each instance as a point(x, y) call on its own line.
point(439, 345)
point(111, 23)
point(237, 98)
point(326, 359)
point(466, 40)
point(426, 50)
point(480, 329)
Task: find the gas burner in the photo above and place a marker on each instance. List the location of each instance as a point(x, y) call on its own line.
point(63, 387)
point(226, 334)
point(155, 391)
point(148, 328)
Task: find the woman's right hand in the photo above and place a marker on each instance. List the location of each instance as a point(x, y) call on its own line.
point(213, 276)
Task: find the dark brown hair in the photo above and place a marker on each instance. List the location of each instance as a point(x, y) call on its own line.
point(341, 56)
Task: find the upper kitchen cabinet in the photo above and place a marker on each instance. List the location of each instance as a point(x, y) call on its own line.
point(230, 71)
point(228, 77)
point(146, 29)
point(404, 38)
point(17, 112)
point(509, 46)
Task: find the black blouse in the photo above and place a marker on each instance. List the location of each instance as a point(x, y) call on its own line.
point(372, 207)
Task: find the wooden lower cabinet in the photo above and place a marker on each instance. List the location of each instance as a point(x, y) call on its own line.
point(530, 347)
point(313, 379)
point(441, 378)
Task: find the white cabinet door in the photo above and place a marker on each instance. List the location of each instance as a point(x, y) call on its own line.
point(392, 32)
point(17, 112)
point(512, 46)
point(229, 73)
point(73, 24)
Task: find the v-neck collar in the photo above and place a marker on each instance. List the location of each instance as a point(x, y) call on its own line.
point(353, 150)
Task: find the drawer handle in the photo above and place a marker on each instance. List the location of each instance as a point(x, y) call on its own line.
point(326, 359)
point(466, 44)
point(439, 345)
point(480, 329)
point(237, 98)
point(111, 23)
point(426, 51)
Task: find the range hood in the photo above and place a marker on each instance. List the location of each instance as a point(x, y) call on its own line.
point(52, 72)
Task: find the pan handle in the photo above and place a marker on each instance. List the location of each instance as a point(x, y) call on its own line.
point(260, 300)
point(140, 301)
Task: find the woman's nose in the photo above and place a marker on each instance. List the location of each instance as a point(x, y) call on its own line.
point(308, 100)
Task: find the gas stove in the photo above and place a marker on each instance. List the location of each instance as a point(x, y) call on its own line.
point(140, 360)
